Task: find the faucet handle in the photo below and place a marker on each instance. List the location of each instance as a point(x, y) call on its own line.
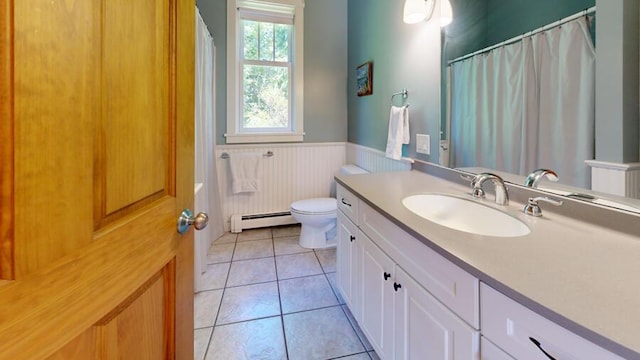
point(532, 208)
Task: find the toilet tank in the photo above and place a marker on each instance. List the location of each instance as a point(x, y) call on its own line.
point(351, 169)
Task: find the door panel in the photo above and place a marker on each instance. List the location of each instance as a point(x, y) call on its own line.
point(82, 347)
point(136, 331)
point(136, 61)
point(99, 122)
point(55, 97)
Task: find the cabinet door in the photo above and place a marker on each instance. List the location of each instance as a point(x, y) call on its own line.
point(348, 263)
point(426, 329)
point(377, 298)
point(492, 352)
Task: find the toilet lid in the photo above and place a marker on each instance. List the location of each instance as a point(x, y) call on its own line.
point(315, 206)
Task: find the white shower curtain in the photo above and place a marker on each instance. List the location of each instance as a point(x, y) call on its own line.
point(528, 105)
point(208, 200)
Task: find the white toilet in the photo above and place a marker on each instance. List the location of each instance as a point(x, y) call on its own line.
point(318, 217)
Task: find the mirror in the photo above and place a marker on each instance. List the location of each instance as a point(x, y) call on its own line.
point(480, 24)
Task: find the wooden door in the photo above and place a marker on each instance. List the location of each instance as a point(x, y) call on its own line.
point(96, 163)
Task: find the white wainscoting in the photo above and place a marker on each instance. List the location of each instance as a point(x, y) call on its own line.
point(294, 172)
point(374, 160)
point(614, 178)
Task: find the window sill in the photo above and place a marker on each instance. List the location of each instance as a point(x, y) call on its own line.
point(263, 138)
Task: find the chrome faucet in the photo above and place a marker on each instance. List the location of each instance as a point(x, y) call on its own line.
point(502, 197)
point(534, 178)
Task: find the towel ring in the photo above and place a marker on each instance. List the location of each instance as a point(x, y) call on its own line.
point(404, 92)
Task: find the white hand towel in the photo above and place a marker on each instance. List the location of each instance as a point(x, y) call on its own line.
point(245, 172)
point(398, 131)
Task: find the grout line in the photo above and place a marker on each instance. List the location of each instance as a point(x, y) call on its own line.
point(353, 326)
point(284, 333)
point(224, 290)
point(346, 356)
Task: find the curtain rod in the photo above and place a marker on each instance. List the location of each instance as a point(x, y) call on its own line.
point(529, 33)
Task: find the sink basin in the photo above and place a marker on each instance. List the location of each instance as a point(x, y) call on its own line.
point(465, 215)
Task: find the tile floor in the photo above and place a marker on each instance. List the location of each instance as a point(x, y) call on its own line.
point(268, 298)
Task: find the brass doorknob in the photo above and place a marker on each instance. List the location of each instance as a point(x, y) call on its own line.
point(187, 219)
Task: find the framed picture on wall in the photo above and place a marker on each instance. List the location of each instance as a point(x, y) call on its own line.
point(364, 77)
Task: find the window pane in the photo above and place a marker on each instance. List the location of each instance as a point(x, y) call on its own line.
point(266, 97)
point(282, 42)
point(266, 41)
point(251, 29)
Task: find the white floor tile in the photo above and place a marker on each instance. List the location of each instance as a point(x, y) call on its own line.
point(297, 265)
point(220, 253)
point(327, 259)
point(226, 238)
point(320, 334)
point(253, 249)
point(253, 271)
point(201, 341)
point(288, 245)
point(215, 277)
point(255, 234)
point(249, 302)
point(257, 339)
point(288, 230)
point(205, 307)
point(306, 293)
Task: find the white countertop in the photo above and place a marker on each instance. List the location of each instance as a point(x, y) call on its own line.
point(582, 276)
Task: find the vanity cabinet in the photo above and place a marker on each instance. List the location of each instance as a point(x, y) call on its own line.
point(402, 320)
point(398, 313)
point(414, 301)
point(524, 334)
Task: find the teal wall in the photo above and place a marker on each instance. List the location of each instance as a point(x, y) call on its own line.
point(325, 67)
point(403, 56)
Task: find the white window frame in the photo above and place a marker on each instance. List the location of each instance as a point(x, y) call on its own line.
point(234, 132)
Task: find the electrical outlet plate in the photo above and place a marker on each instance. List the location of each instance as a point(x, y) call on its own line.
point(423, 144)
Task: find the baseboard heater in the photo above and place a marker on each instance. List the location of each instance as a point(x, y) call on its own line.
point(242, 222)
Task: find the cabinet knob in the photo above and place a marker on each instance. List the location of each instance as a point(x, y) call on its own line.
point(396, 286)
point(352, 238)
point(386, 276)
point(346, 203)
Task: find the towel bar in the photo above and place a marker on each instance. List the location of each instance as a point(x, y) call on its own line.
point(225, 155)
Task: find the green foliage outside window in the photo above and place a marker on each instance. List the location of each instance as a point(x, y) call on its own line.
point(265, 74)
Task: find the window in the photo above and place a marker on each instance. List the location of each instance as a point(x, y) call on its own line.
point(264, 81)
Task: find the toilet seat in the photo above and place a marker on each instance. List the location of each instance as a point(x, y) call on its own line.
point(317, 206)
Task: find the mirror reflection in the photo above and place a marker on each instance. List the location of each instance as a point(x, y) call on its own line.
point(519, 78)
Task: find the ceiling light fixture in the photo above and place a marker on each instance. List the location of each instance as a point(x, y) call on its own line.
point(417, 10)
point(446, 14)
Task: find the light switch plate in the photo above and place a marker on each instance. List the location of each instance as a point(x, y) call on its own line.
point(423, 144)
